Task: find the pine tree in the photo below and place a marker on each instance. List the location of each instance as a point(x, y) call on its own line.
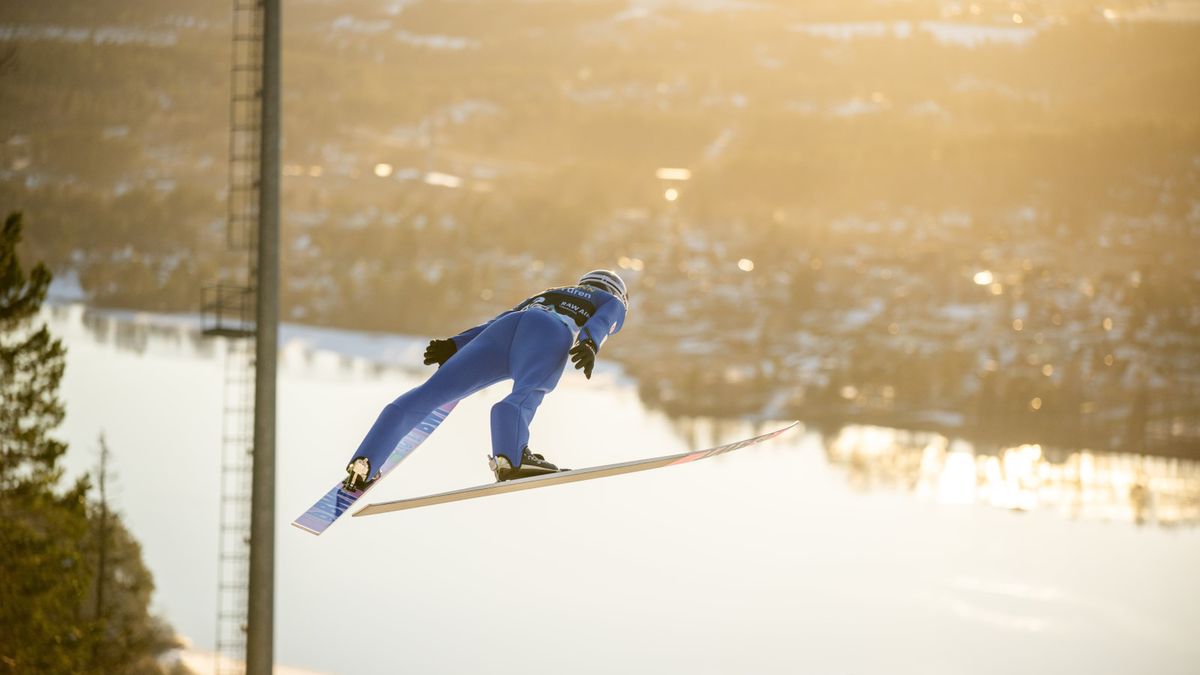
point(31, 366)
point(44, 571)
point(75, 593)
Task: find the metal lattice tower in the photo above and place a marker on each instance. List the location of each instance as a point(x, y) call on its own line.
point(245, 132)
point(233, 562)
point(228, 310)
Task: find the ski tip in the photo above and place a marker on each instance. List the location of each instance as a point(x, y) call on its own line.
point(787, 427)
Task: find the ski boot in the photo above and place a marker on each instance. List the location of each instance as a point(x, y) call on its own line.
point(358, 475)
point(531, 465)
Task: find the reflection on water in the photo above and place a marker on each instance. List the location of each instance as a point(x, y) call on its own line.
point(136, 332)
point(1079, 484)
point(179, 335)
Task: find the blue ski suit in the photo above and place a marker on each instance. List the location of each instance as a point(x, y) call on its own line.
point(527, 344)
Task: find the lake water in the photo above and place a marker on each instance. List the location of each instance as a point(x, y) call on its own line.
point(868, 551)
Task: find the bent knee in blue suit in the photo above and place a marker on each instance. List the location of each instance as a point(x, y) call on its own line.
point(529, 347)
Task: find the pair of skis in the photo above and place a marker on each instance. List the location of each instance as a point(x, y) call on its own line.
point(337, 500)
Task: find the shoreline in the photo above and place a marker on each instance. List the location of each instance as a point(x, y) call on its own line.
point(402, 352)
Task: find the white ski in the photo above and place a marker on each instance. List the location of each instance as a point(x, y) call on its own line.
point(561, 477)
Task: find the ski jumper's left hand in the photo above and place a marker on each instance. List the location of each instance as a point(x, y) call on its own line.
point(583, 355)
point(608, 319)
point(439, 351)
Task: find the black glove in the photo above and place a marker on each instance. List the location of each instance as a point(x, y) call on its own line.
point(439, 351)
point(583, 355)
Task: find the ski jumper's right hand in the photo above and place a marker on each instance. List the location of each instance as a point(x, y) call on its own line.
point(439, 351)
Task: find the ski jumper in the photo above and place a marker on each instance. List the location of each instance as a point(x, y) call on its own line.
point(527, 344)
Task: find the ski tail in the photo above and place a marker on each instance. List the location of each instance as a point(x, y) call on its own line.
point(337, 500)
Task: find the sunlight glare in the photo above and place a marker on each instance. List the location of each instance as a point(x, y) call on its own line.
point(627, 263)
point(668, 173)
point(956, 485)
point(442, 179)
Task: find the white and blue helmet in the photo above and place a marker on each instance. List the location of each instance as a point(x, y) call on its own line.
point(607, 281)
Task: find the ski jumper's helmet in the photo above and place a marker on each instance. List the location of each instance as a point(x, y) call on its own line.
point(607, 281)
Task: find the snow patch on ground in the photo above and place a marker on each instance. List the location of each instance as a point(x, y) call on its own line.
point(450, 42)
point(946, 32)
point(104, 35)
point(65, 288)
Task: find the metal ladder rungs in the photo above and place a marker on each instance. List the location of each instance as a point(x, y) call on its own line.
point(238, 409)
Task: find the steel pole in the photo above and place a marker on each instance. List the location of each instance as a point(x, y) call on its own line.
point(260, 626)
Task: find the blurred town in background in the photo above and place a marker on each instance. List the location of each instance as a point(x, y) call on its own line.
point(974, 218)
